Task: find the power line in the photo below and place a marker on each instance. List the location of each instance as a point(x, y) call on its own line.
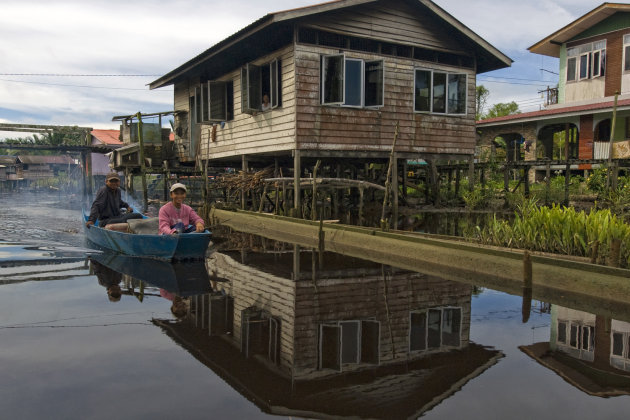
point(518, 78)
point(79, 75)
point(79, 86)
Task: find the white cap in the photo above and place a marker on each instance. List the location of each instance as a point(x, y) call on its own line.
point(178, 185)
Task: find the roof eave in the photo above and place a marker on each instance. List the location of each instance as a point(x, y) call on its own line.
point(550, 46)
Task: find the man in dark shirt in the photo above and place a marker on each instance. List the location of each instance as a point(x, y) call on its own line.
point(107, 204)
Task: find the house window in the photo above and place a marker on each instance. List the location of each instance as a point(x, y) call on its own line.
point(626, 53)
point(562, 332)
point(348, 342)
point(351, 81)
point(439, 92)
point(214, 102)
point(581, 337)
point(434, 328)
point(571, 69)
point(260, 334)
point(584, 73)
point(586, 61)
point(261, 84)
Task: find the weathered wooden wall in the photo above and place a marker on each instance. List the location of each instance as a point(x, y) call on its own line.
point(361, 129)
point(371, 297)
point(302, 307)
point(264, 132)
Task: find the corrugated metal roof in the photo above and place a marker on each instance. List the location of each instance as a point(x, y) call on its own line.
point(495, 58)
point(8, 160)
point(107, 136)
point(39, 159)
point(555, 112)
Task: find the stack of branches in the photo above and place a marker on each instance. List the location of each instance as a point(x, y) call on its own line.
point(247, 181)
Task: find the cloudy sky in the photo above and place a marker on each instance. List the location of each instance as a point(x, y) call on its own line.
point(80, 62)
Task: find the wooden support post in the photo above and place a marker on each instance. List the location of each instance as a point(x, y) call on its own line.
point(337, 196)
point(471, 173)
point(506, 177)
point(145, 193)
point(548, 183)
point(449, 187)
point(435, 183)
point(244, 165)
point(612, 137)
point(526, 176)
point(296, 262)
point(405, 169)
point(314, 199)
point(392, 156)
point(567, 170)
point(482, 176)
point(458, 174)
point(361, 193)
point(396, 191)
point(297, 196)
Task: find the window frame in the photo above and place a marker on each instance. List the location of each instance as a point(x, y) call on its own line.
point(364, 327)
point(341, 97)
point(626, 54)
point(426, 312)
point(587, 76)
point(432, 87)
point(252, 86)
point(575, 67)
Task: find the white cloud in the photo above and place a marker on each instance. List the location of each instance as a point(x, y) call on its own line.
point(154, 37)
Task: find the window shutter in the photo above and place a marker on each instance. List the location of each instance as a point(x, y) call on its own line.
point(217, 94)
point(330, 347)
point(333, 83)
point(374, 83)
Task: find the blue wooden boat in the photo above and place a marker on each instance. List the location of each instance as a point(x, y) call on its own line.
point(184, 246)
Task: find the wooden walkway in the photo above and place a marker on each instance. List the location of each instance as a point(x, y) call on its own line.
point(570, 282)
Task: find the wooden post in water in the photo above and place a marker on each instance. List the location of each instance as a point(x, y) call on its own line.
point(471, 173)
point(243, 175)
point(527, 286)
point(548, 183)
point(612, 137)
point(143, 172)
point(384, 223)
point(395, 191)
point(526, 180)
point(567, 170)
point(361, 192)
point(457, 179)
point(297, 169)
point(314, 200)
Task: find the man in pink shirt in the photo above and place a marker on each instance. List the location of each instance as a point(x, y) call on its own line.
point(177, 217)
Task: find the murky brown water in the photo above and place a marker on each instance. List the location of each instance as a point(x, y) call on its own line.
point(271, 329)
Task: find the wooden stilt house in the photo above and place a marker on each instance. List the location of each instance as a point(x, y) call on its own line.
point(331, 82)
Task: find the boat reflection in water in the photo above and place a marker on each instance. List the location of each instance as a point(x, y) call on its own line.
point(321, 336)
point(182, 279)
point(591, 352)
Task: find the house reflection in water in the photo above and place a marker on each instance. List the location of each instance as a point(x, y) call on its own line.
point(592, 352)
point(331, 336)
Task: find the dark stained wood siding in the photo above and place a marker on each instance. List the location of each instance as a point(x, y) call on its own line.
point(585, 144)
point(392, 21)
point(351, 129)
point(366, 298)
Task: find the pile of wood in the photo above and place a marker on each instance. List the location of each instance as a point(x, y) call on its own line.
point(247, 181)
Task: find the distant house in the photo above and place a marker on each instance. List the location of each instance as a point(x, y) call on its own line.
point(591, 352)
point(594, 63)
point(106, 138)
point(9, 168)
point(37, 166)
point(332, 81)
